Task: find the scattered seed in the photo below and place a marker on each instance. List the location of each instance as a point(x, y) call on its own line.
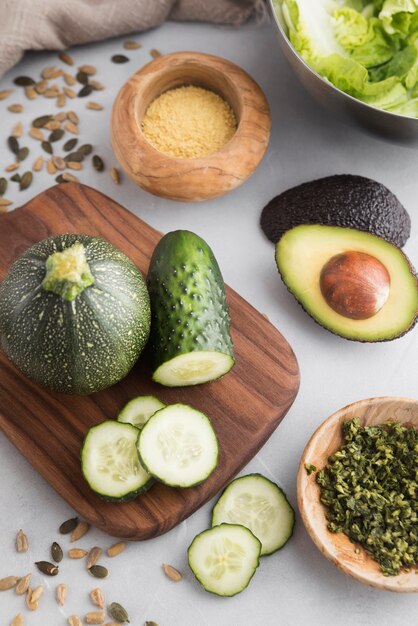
point(69, 178)
point(90, 70)
point(38, 164)
point(41, 87)
point(60, 179)
point(40, 122)
point(98, 163)
point(10, 581)
point(74, 620)
point(23, 585)
point(73, 165)
point(112, 624)
point(97, 597)
point(95, 617)
point(59, 162)
point(94, 106)
point(22, 154)
point(4, 202)
point(47, 147)
point(54, 124)
point(31, 93)
point(47, 568)
point(73, 117)
point(155, 53)
point(22, 544)
point(15, 108)
point(12, 167)
point(69, 79)
point(70, 144)
point(72, 128)
point(172, 573)
point(15, 178)
point(75, 157)
point(77, 553)
point(82, 78)
point(79, 531)
point(56, 550)
point(36, 133)
point(61, 594)
point(3, 189)
point(36, 594)
point(85, 149)
point(24, 81)
point(59, 117)
point(17, 130)
point(51, 167)
point(119, 58)
point(61, 100)
point(131, 45)
point(52, 72)
point(5, 93)
point(85, 91)
point(93, 556)
point(17, 620)
point(118, 547)
point(32, 606)
point(96, 85)
point(70, 92)
point(118, 613)
point(98, 571)
point(151, 624)
point(66, 58)
point(52, 92)
point(56, 135)
point(13, 144)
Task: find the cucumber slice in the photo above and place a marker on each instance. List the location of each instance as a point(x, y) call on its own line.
point(259, 504)
point(178, 446)
point(224, 558)
point(110, 464)
point(138, 411)
point(193, 368)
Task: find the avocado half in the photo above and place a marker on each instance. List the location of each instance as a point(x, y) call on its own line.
point(355, 284)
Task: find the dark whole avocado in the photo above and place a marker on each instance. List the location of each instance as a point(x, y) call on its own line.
point(342, 200)
point(353, 283)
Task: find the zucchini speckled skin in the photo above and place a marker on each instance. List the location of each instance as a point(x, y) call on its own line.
point(81, 346)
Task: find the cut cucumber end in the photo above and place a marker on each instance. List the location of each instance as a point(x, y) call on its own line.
point(138, 410)
point(110, 464)
point(260, 505)
point(224, 558)
point(193, 368)
point(178, 446)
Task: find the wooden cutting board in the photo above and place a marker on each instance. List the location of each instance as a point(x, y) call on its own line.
point(48, 428)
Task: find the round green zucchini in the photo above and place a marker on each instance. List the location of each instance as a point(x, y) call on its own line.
point(74, 314)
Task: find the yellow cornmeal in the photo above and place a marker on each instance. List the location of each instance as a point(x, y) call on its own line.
point(189, 122)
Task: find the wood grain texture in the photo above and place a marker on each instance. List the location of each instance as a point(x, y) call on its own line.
point(48, 428)
point(190, 179)
point(326, 440)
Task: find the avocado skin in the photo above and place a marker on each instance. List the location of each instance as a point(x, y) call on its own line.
point(341, 200)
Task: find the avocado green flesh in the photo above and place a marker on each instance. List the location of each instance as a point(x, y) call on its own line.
point(304, 250)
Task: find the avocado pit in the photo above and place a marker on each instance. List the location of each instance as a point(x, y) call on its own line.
point(355, 284)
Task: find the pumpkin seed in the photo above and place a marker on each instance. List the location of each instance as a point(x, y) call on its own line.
point(74, 620)
point(69, 178)
point(150, 624)
point(77, 553)
point(3, 189)
point(61, 594)
point(23, 585)
point(85, 91)
point(56, 135)
point(15, 108)
point(116, 549)
point(31, 93)
point(69, 79)
point(47, 568)
point(70, 92)
point(98, 163)
point(79, 531)
point(172, 573)
point(131, 45)
point(72, 128)
point(61, 100)
point(24, 81)
point(38, 164)
point(74, 157)
point(118, 613)
point(36, 133)
point(119, 58)
point(56, 552)
point(82, 78)
point(50, 166)
point(40, 122)
point(60, 179)
point(97, 597)
point(17, 620)
point(96, 85)
point(13, 144)
point(155, 53)
point(15, 178)
point(8, 582)
point(98, 571)
point(12, 167)
point(94, 617)
point(70, 144)
point(90, 70)
point(22, 154)
point(94, 106)
point(66, 58)
point(47, 147)
point(85, 149)
point(26, 180)
point(17, 130)
point(5, 93)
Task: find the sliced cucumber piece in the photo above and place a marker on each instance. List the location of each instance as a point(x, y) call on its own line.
point(259, 504)
point(110, 464)
point(138, 411)
point(178, 446)
point(193, 368)
point(224, 558)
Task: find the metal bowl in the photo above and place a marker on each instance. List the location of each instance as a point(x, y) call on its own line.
point(390, 125)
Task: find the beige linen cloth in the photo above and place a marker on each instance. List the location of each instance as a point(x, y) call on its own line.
point(59, 24)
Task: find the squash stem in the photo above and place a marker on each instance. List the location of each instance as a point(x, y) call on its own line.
point(68, 273)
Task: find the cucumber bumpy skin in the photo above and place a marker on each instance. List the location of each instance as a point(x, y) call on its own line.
point(190, 326)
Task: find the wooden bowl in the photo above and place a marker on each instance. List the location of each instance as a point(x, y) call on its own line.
point(325, 441)
point(190, 179)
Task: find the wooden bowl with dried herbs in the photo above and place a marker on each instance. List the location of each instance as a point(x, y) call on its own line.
point(358, 493)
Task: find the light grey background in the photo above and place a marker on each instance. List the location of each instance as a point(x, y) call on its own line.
point(296, 586)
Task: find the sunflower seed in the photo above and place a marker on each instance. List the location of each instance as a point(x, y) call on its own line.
point(60, 117)
point(41, 87)
point(31, 93)
point(69, 79)
point(15, 178)
point(59, 162)
point(4, 202)
point(66, 58)
point(15, 108)
point(51, 167)
point(131, 45)
point(36, 594)
point(77, 553)
point(22, 544)
point(172, 573)
point(98, 163)
point(118, 547)
point(82, 78)
point(17, 620)
point(47, 568)
point(3, 189)
point(60, 179)
point(70, 92)
point(94, 617)
point(22, 154)
point(98, 571)
point(32, 606)
point(36, 133)
point(61, 594)
point(72, 165)
point(23, 585)
point(119, 58)
point(118, 613)
point(10, 581)
point(12, 167)
point(79, 531)
point(17, 130)
point(96, 85)
point(56, 550)
point(72, 128)
point(90, 70)
point(54, 124)
point(47, 147)
point(85, 149)
point(85, 91)
point(155, 53)
point(97, 597)
point(40, 122)
point(61, 100)
point(74, 620)
point(94, 106)
point(69, 178)
point(73, 117)
point(76, 157)
point(38, 164)
point(53, 92)
point(5, 93)
point(24, 81)
point(13, 144)
point(56, 135)
point(51, 72)
point(70, 144)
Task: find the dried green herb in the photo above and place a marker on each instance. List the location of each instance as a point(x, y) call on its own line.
point(310, 469)
point(40, 122)
point(24, 81)
point(119, 58)
point(69, 524)
point(47, 568)
point(371, 491)
point(70, 144)
point(25, 181)
point(118, 613)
